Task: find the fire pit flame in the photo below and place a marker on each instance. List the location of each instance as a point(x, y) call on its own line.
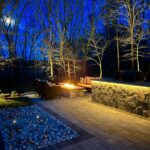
point(68, 86)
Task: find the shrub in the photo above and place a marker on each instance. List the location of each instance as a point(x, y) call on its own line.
point(14, 94)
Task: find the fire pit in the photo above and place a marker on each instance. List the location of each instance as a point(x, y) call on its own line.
point(68, 86)
point(71, 90)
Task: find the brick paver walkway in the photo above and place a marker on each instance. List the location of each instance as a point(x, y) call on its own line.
point(112, 129)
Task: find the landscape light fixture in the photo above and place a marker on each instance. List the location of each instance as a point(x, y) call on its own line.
point(9, 21)
point(37, 117)
point(14, 121)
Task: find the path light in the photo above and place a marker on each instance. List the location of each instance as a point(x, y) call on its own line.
point(9, 21)
point(14, 121)
point(37, 117)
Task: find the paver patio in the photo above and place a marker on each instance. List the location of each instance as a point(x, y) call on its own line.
point(112, 129)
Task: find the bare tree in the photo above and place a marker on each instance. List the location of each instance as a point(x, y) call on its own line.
point(131, 18)
point(96, 43)
point(140, 37)
point(51, 51)
point(48, 40)
point(67, 30)
point(97, 47)
point(110, 16)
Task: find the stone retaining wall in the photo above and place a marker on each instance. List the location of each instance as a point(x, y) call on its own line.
point(131, 98)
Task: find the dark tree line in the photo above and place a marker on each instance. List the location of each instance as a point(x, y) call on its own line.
point(56, 36)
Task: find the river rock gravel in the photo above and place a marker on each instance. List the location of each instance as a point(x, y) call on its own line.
point(32, 128)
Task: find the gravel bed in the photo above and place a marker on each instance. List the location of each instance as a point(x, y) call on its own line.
point(32, 128)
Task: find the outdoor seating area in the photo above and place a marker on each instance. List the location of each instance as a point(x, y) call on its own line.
point(116, 94)
point(86, 81)
point(47, 90)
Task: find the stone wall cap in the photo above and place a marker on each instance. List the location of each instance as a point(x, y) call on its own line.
point(136, 83)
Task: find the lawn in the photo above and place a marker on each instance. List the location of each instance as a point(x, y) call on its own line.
point(15, 102)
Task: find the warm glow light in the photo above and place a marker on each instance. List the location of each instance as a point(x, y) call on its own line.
point(121, 85)
point(129, 87)
point(68, 86)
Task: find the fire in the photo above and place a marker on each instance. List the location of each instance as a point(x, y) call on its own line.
point(68, 86)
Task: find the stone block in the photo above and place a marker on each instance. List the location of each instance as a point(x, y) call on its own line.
point(145, 113)
point(139, 110)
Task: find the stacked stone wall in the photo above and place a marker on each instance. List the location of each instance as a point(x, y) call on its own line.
point(131, 98)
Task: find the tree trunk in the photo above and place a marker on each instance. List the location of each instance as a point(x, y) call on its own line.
point(137, 58)
point(132, 47)
point(62, 56)
point(118, 54)
point(74, 70)
point(101, 71)
point(68, 69)
point(51, 68)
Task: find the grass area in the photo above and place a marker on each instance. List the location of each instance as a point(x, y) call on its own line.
point(19, 86)
point(16, 102)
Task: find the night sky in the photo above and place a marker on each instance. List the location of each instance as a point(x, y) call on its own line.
point(35, 16)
